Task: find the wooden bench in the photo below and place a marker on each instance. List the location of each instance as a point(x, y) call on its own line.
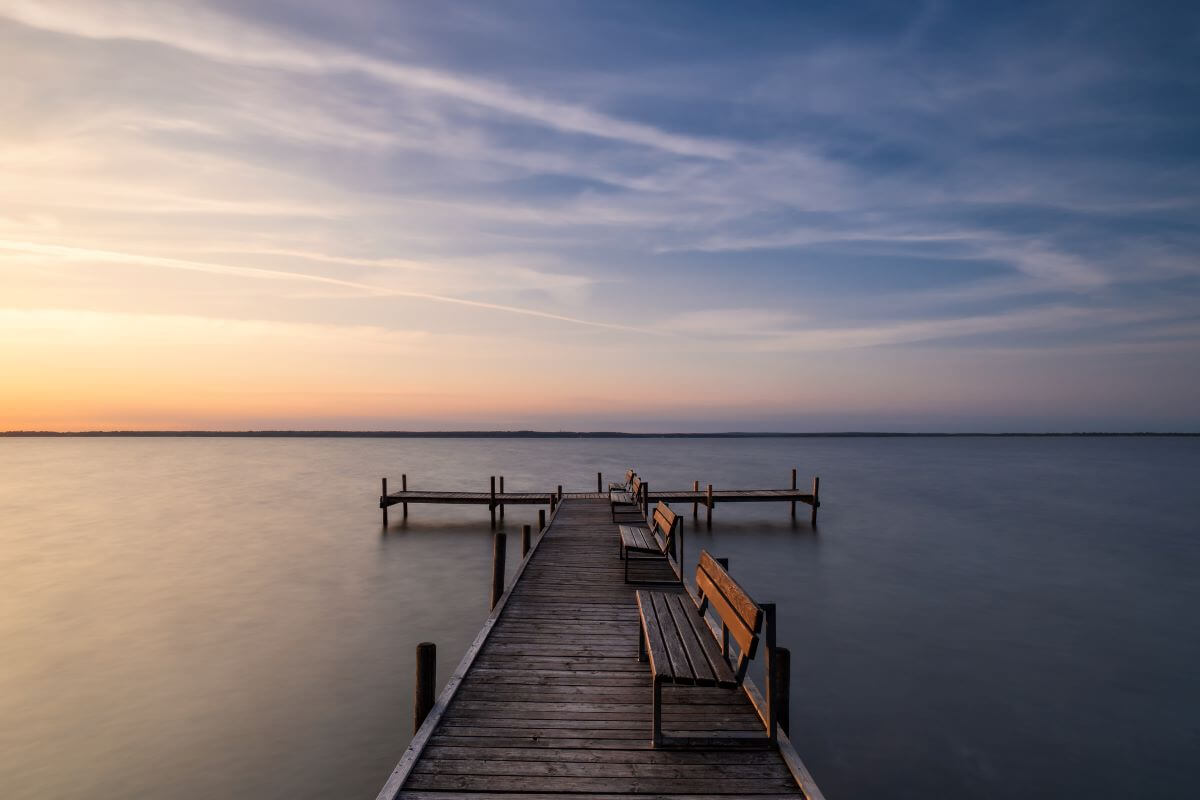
point(683, 649)
point(655, 542)
point(629, 501)
point(622, 487)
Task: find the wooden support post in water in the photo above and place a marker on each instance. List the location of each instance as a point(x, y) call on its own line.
point(781, 664)
point(816, 501)
point(404, 488)
point(499, 551)
point(383, 502)
point(541, 520)
point(492, 501)
point(502, 492)
point(793, 489)
point(695, 505)
point(646, 500)
point(525, 539)
point(426, 680)
point(771, 673)
point(560, 492)
point(708, 501)
point(599, 483)
point(552, 499)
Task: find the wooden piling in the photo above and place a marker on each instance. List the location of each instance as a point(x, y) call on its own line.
point(404, 488)
point(708, 501)
point(525, 539)
point(492, 500)
point(816, 501)
point(599, 483)
point(770, 669)
point(781, 665)
point(383, 502)
point(502, 492)
point(695, 505)
point(499, 551)
point(541, 520)
point(553, 497)
point(426, 681)
point(560, 492)
point(646, 500)
point(793, 489)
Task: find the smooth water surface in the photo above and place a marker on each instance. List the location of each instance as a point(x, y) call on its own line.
point(973, 618)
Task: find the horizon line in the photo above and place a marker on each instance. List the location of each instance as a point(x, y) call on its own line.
point(536, 434)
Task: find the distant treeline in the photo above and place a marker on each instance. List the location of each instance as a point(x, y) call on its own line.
point(551, 434)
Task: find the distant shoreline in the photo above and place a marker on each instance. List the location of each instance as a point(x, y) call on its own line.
point(285, 434)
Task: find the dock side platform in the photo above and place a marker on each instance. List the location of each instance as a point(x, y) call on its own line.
point(551, 700)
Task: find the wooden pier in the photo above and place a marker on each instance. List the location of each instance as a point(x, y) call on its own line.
point(496, 498)
point(552, 701)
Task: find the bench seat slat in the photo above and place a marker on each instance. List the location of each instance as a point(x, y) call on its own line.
point(635, 538)
point(681, 669)
point(689, 654)
point(708, 648)
point(691, 643)
point(659, 660)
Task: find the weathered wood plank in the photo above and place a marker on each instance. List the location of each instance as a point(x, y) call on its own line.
point(556, 704)
point(494, 783)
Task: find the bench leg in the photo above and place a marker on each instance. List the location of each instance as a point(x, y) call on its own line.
point(656, 714)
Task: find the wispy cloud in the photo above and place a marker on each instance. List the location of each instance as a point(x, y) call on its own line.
point(76, 254)
point(969, 182)
point(213, 35)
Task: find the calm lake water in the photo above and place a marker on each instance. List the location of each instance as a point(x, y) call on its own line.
point(973, 618)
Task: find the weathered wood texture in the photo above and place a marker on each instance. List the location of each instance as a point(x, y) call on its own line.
point(556, 703)
point(540, 498)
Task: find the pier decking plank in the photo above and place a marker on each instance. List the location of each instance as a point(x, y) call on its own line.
point(556, 704)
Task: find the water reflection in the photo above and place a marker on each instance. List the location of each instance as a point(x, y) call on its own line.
point(196, 618)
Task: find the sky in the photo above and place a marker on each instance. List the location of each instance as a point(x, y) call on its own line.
point(600, 216)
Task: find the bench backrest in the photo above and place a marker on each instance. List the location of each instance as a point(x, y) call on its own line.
point(729, 601)
point(664, 522)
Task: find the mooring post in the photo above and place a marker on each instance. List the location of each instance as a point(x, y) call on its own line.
point(525, 538)
point(599, 483)
point(770, 669)
point(502, 492)
point(383, 502)
point(793, 489)
point(404, 488)
point(552, 497)
point(708, 501)
point(560, 493)
point(492, 500)
point(781, 665)
point(426, 680)
point(499, 550)
point(816, 501)
point(541, 520)
point(695, 505)
point(646, 500)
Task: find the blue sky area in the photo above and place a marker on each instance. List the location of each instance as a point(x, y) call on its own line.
point(710, 216)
